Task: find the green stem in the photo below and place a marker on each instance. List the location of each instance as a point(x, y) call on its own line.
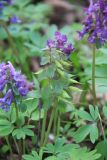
point(17, 112)
point(26, 147)
point(23, 146)
point(49, 126)
point(93, 76)
point(102, 128)
point(55, 122)
point(58, 125)
point(17, 147)
point(10, 39)
point(43, 128)
point(8, 143)
point(20, 151)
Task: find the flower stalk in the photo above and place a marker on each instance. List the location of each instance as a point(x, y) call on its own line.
point(93, 76)
point(49, 126)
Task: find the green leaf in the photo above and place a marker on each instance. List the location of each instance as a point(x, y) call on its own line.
point(93, 133)
point(85, 115)
point(94, 112)
point(52, 158)
point(105, 111)
point(21, 119)
point(84, 154)
point(5, 148)
point(32, 105)
point(102, 149)
point(82, 133)
point(75, 89)
point(62, 151)
point(20, 3)
point(21, 133)
point(12, 114)
point(23, 107)
point(34, 156)
point(5, 127)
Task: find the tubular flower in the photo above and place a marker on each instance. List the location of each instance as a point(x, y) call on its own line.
point(11, 78)
point(6, 101)
point(95, 23)
point(60, 43)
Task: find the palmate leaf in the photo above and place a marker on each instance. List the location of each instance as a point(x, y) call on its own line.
point(77, 154)
point(5, 127)
point(33, 156)
point(21, 133)
point(92, 116)
point(52, 158)
point(84, 131)
point(102, 149)
point(21, 3)
point(62, 151)
point(84, 154)
point(85, 115)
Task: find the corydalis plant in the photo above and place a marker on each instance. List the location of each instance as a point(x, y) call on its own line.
point(13, 83)
point(95, 23)
point(60, 43)
point(55, 83)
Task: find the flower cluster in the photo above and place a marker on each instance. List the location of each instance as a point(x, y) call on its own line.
point(12, 80)
point(95, 23)
point(60, 43)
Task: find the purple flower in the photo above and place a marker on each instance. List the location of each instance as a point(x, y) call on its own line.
point(95, 24)
point(10, 76)
point(61, 40)
point(51, 43)
point(13, 81)
point(22, 84)
point(67, 50)
point(60, 43)
point(23, 91)
point(1, 5)
point(6, 101)
point(15, 19)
